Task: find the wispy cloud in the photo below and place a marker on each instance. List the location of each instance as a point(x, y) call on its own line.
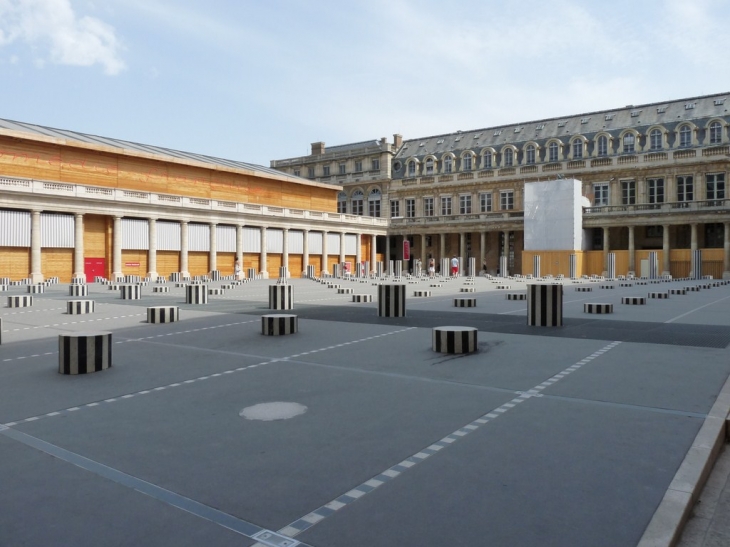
point(55, 33)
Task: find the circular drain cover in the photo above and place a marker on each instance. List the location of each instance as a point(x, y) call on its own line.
point(268, 412)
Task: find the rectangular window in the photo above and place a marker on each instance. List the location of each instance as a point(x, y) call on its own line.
point(715, 186)
point(428, 207)
point(342, 207)
point(506, 200)
point(325, 170)
point(487, 162)
point(394, 208)
point(600, 194)
point(485, 202)
point(374, 207)
point(358, 167)
point(376, 165)
point(628, 192)
point(357, 206)
point(685, 188)
point(446, 205)
point(296, 172)
point(465, 205)
point(655, 190)
point(410, 208)
point(342, 169)
point(310, 172)
point(467, 163)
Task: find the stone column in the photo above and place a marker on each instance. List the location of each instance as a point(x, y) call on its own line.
point(665, 250)
point(726, 256)
point(387, 252)
point(693, 238)
point(263, 258)
point(632, 252)
point(482, 248)
point(424, 259)
point(117, 249)
point(606, 248)
point(462, 246)
point(213, 252)
point(152, 253)
point(36, 272)
point(78, 272)
point(239, 245)
point(442, 248)
point(324, 252)
point(285, 251)
point(373, 252)
point(184, 271)
point(358, 253)
point(305, 250)
point(342, 247)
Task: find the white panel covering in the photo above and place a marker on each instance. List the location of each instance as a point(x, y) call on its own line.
point(350, 244)
point(296, 242)
point(57, 231)
point(225, 239)
point(315, 243)
point(553, 215)
point(251, 240)
point(274, 241)
point(333, 243)
point(135, 234)
point(14, 229)
point(168, 236)
point(198, 237)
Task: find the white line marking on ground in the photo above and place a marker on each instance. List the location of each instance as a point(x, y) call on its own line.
point(673, 319)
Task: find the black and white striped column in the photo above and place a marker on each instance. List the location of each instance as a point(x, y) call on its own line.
point(611, 266)
point(281, 297)
point(633, 300)
point(310, 271)
point(1, 331)
point(454, 340)
point(545, 305)
point(79, 307)
point(392, 300)
point(536, 265)
point(445, 267)
point(337, 270)
point(78, 290)
point(398, 268)
point(20, 301)
point(215, 275)
point(379, 267)
point(573, 266)
point(696, 264)
point(472, 266)
point(251, 273)
point(36, 289)
point(653, 265)
point(597, 308)
point(163, 314)
point(196, 294)
point(465, 302)
point(130, 292)
point(503, 271)
point(84, 353)
point(175, 277)
point(279, 324)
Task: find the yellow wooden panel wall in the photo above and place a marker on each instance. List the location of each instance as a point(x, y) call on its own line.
point(29, 160)
point(331, 261)
point(316, 261)
point(168, 262)
point(15, 262)
point(251, 260)
point(88, 167)
point(295, 265)
point(134, 256)
point(225, 262)
point(273, 263)
point(57, 263)
point(592, 263)
point(198, 262)
point(96, 228)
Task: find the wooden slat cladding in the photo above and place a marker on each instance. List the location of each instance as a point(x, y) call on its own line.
point(134, 262)
point(15, 263)
point(251, 260)
point(295, 265)
point(316, 261)
point(57, 263)
point(198, 262)
point(225, 262)
point(168, 262)
point(96, 229)
point(87, 167)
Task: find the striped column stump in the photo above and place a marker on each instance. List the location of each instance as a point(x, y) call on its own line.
point(143, 283)
point(4, 281)
point(391, 300)
point(175, 276)
point(607, 286)
point(545, 305)
point(346, 291)
point(625, 284)
point(78, 290)
point(584, 289)
point(454, 340)
point(467, 289)
point(84, 353)
point(36, 289)
point(658, 295)
point(597, 308)
point(465, 302)
point(516, 296)
point(131, 279)
point(3, 288)
point(196, 294)
point(281, 297)
point(633, 300)
point(113, 287)
point(130, 292)
point(160, 289)
point(333, 286)
point(227, 287)
point(678, 291)
point(163, 314)
point(468, 283)
point(160, 280)
point(215, 275)
point(216, 292)
point(706, 286)
point(504, 287)
point(436, 285)
point(180, 285)
point(693, 288)
point(641, 282)
point(362, 297)
point(20, 301)
point(278, 324)
point(79, 307)
point(422, 294)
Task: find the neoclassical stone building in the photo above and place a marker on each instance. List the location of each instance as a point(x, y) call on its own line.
point(654, 177)
point(77, 205)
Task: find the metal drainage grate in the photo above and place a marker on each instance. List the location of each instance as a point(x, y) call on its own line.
point(273, 539)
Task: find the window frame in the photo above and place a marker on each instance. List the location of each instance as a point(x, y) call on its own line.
point(508, 157)
point(428, 210)
point(485, 202)
point(530, 154)
point(655, 190)
point(465, 204)
point(410, 207)
point(506, 200)
point(626, 146)
point(553, 152)
point(715, 132)
point(602, 146)
point(685, 188)
point(446, 206)
point(717, 192)
point(394, 208)
point(685, 136)
point(628, 192)
point(577, 148)
point(601, 194)
point(448, 164)
point(655, 140)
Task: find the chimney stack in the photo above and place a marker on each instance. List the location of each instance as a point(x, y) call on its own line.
point(397, 141)
point(318, 149)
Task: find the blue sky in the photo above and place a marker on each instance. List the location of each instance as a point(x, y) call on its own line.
point(256, 80)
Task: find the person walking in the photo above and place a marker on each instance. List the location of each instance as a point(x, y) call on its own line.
point(454, 266)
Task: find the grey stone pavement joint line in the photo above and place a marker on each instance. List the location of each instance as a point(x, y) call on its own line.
point(318, 515)
point(194, 380)
point(76, 322)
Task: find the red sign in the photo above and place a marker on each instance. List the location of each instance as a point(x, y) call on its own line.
point(132, 264)
point(406, 250)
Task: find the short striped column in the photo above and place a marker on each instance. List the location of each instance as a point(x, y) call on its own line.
point(503, 287)
point(196, 294)
point(696, 260)
point(132, 279)
point(584, 289)
point(79, 307)
point(516, 296)
point(309, 271)
point(278, 324)
point(611, 266)
point(607, 286)
point(362, 297)
point(3, 288)
point(84, 353)
point(659, 295)
point(625, 284)
point(678, 291)
point(216, 291)
point(20, 301)
point(544, 305)
point(465, 302)
point(379, 269)
point(346, 290)
point(597, 308)
point(78, 290)
point(454, 340)
point(337, 270)
point(4, 281)
point(36, 289)
point(422, 294)
point(251, 273)
point(130, 292)
point(467, 289)
point(281, 297)
point(366, 269)
point(392, 300)
point(398, 268)
point(160, 289)
point(633, 300)
point(436, 285)
point(175, 277)
point(572, 266)
point(215, 275)
point(163, 314)
point(536, 265)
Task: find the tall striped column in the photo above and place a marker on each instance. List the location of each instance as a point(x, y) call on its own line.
point(398, 268)
point(263, 257)
point(373, 251)
point(536, 266)
point(366, 269)
point(152, 251)
point(696, 264)
point(545, 305)
point(184, 268)
point(305, 252)
point(573, 266)
point(611, 265)
point(391, 268)
point(391, 300)
point(337, 270)
point(503, 271)
point(78, 272)
point(472, 266)
point(281, 297)
point(445, 267)
point(36, 270)
point(285, 255)
point(653, 265)
point(379, 269)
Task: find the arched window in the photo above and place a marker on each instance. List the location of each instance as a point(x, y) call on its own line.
point(685, 136)
point(530, 154)
point(411, 168)
point(357, 201)
point(629, 143)
point(509, 157)
point(467, 162)
point(342, 202)
point(487, 160)
point(429, 166)
point(448, 164)
point(374, 202)
point(577, 149)
point(603, 145)
point(715, 133)
point(553, 151)
point(655, 139)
